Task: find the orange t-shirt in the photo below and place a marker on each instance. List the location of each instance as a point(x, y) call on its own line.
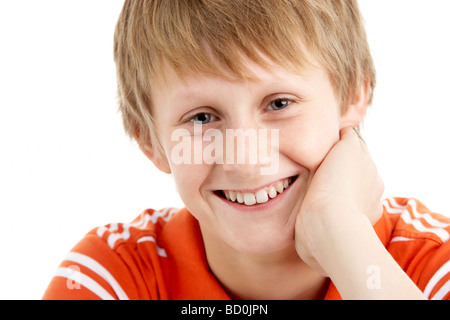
point(160, 255)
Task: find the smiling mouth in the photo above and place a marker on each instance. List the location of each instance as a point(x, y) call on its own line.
point(260, 196)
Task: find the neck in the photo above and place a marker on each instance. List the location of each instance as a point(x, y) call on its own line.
point(280, 275)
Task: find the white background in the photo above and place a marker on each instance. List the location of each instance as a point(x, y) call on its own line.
point(66, 165)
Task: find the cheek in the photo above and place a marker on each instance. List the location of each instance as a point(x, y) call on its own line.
point(188, 176)
point(308, 142)
point(188, 180)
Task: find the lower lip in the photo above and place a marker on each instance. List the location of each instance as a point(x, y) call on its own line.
point(259, 206)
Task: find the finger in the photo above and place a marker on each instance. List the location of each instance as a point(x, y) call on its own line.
point(353, 133)
point(350, 132)
point(347, 133)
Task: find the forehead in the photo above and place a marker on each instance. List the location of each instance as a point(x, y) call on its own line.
point(261, 70)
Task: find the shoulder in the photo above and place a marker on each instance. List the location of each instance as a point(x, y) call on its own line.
point(146, 227)
point(116, 261)
point(418, 239)
point(413, 220)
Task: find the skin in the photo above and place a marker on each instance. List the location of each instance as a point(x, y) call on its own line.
point(288, 250)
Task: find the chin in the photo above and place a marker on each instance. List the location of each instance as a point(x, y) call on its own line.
point(260, 240)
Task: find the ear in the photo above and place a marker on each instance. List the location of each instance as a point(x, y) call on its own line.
point(158, 160)
point(357, 109)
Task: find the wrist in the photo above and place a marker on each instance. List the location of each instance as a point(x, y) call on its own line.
point(341, 237)
point(328, 226)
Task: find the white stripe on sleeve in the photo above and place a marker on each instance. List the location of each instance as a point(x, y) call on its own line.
point(99, 269)
point(85, 281)
point(161, 251)
point(443, 291)
point(438, 227)
point(442, 272)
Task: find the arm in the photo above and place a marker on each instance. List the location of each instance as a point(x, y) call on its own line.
point(359, 265)
point(334, 232)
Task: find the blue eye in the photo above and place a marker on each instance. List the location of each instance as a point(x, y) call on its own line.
point(202, 118)
point(279, 104)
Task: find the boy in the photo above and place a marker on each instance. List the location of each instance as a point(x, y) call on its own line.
point(254, 107)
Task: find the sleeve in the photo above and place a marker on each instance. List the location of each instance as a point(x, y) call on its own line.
point(92, 271)
point(420, 245)
point(435, 277)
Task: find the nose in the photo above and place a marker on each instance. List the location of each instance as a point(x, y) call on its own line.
point(241, 152)
point(247, 149)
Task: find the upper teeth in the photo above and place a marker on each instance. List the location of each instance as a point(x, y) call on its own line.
point(259, 196)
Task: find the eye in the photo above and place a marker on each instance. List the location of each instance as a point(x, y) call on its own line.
point(279, 104)
point(202, 118)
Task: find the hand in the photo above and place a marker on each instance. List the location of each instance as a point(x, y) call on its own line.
point(345, 186)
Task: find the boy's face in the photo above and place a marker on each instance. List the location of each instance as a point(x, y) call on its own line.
point(302, 107)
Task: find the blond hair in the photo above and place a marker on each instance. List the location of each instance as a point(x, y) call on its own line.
point(212, 36)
